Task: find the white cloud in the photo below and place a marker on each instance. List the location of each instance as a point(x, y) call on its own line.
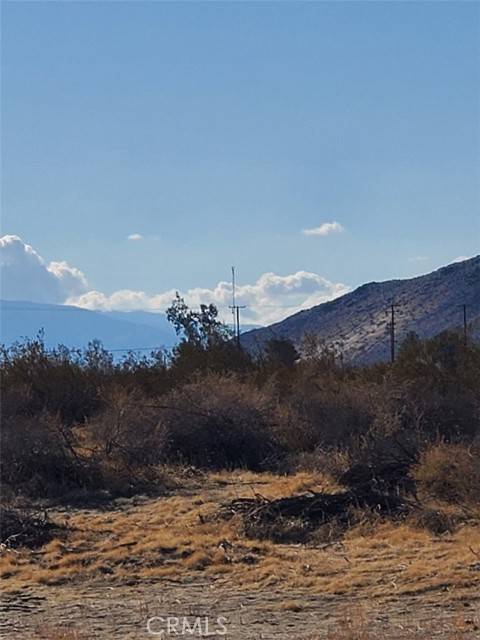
point(325, 229)
point(135, 236)
point(69, 278)
point(270, 299)
point(418, 259)
point(26, 275)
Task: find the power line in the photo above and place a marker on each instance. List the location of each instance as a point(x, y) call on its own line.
point(116, 350)
point(130, 349)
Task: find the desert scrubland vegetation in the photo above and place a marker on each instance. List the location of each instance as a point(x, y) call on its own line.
point(289, 471)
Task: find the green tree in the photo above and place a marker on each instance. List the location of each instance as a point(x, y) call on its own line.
point(206, 344)
point(200, 328)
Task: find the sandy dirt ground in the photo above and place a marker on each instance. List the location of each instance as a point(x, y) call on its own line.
point(103, 609)
point(154, 559)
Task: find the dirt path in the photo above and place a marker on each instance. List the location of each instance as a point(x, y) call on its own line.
point(111, 610)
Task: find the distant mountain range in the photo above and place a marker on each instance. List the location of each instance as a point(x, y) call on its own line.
point(358, 323)
point(76, 327)
point(119, 331)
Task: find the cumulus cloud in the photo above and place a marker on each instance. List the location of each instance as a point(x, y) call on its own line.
point(270, 299)
point(26, 275)
point(325, 229)
point(135, 236)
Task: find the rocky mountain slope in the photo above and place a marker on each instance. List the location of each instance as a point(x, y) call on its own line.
point(358, 323)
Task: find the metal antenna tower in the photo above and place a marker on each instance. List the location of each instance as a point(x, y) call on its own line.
point(235, 311)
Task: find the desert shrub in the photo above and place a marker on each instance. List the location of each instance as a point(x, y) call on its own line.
point(189, 360)
point(74, 383)
point(148, 374)
point(77, 419)
point(337, 411)
point(383, 457)
point(331, 463)
point(441, 378)
point(282, 530)
point(450, 472)
point(433, 520)
point(279, 353)
point(221, 422)
point(25, 527)
point(15, 399)
point(62, 381)
point(129, 432)
point(451, 413)
point(41, 458)
point(38, 458)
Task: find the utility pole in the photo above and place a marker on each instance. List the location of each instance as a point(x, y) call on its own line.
point(238, 326)
point(233, 305)
point(393, 306)
point(235, 312)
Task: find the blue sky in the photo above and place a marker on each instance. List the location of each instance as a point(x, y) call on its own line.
point(220, 131)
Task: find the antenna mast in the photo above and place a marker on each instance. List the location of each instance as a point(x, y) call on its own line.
point(235, 311)
point(233, 302)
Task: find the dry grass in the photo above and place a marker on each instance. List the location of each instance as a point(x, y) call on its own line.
point(450, 472)
point(174, 537)
point(292, 605)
